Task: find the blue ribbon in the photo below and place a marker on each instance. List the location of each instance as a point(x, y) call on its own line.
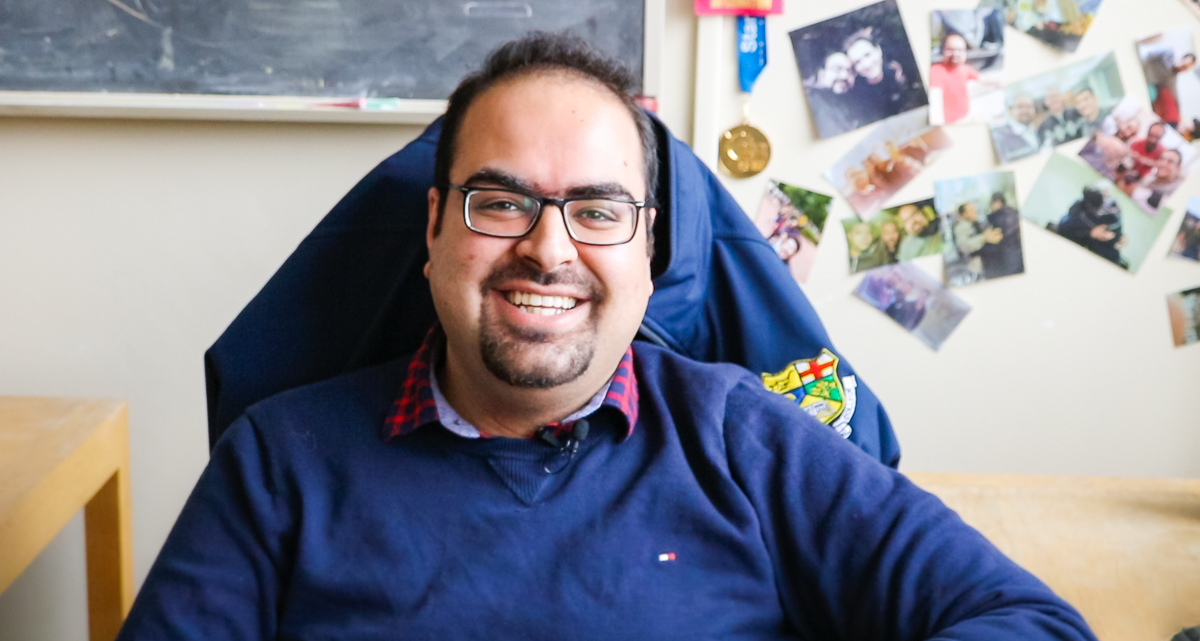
point(752, 50)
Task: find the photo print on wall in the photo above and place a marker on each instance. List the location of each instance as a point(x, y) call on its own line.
point(1058, 23)
point(1074, 201)
point(981, 227)
point(1187, 239)
point(1184, 310)
point(888, 158)
point(967, 72)
point(916, 301)
point(1059, 106)
point(1140, 154)
point(1172, 78)
point(792, 220)
point(893, 235)
point(858, 68)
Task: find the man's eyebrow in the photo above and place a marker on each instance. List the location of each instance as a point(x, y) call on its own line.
point(601, 190)
point(493, 177)
point(500, 179)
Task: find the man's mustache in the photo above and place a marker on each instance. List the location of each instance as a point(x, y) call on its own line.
point(516, 271)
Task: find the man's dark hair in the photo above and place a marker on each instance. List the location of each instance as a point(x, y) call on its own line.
point(1178, 156)
point(866, 33)
point(950, 33)
point(1161, 127)
point(536, 53)
point(962, 209)
point(998, 197)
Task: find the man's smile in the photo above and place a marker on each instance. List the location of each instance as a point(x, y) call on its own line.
point(538, 304)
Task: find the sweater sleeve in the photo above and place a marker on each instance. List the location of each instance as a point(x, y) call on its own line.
point(862, 553)
point(219, 574)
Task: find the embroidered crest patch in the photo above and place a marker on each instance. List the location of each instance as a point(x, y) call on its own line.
point(814, 384)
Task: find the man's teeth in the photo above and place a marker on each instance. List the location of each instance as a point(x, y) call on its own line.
point(538, 304)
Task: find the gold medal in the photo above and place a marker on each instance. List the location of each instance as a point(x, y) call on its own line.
point(744, 151)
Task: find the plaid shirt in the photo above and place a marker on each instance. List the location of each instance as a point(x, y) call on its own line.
point(417, 406)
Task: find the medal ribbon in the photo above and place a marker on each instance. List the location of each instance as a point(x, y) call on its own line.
point(752, 49)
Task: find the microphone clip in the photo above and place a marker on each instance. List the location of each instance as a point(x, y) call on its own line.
point(568, 447)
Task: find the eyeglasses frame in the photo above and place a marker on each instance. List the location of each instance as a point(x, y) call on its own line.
point(561, 203)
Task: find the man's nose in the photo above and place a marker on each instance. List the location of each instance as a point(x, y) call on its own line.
point(549, 243)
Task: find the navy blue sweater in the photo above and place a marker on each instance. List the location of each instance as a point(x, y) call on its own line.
point(727, 514)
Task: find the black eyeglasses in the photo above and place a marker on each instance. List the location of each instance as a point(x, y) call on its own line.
point(512, 214)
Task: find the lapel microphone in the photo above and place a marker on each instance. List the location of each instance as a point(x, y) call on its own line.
point(569, 446)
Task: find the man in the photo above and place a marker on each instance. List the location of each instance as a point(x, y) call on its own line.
point(531, 474)
point(882, 89)
point(1002, 258)
point(1093, 117)
point(1094, 222)
point(971, 236)
point(920, 238)
point(1061, 124)
point(834, 114)
point(1160, 183)
point(952, 76)
point(1016, 138)
point(1147, 151)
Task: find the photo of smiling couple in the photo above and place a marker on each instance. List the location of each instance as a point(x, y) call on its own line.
point(858, 68)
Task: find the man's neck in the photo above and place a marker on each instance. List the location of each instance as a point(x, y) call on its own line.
point(496, 408)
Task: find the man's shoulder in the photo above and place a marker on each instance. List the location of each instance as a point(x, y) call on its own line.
point(361, 395)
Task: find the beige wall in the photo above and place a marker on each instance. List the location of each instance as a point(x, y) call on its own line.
point(127, 246)
point(1066, 369)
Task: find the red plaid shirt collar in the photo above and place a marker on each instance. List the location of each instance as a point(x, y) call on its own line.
point(416, 406)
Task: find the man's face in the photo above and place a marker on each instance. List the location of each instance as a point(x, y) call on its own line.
point(840, 73)
point(889, 234)
point(867, 59)
point(1086, 103)
point(555, 135)
point(1154, 134)
point(969, 212)
point(954, 50)
point(913, 220)
point(860, 236)
point(1168, 165)
point(1022, 110)
point(996, 205)
point(1054, 101)
point(1127, 129)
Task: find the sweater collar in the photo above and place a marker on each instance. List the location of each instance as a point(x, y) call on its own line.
point(418, 403)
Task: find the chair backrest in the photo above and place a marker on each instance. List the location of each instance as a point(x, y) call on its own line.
point(353, 295)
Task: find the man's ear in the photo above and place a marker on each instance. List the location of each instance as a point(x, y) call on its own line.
point(434, 200)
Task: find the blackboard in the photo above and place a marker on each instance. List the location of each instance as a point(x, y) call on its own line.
point(412, 49)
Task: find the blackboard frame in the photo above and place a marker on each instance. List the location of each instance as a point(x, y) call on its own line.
point(72, 104)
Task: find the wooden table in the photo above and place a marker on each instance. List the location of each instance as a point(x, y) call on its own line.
point(1125, 552)
point(58, 455)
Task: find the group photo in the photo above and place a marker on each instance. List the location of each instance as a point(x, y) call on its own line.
point(792, 220)
point(858, 68)
point(1057, 23)
point(1050, 109)
point(915, 300)
point(981, 226)
point(1077, 203)
point(888, 158)
point(896, 234)
point(1143, 156)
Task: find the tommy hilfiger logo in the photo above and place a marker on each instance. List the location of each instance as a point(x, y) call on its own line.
point(666, 556)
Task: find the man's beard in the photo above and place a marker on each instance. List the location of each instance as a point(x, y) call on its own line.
point(500, 346)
